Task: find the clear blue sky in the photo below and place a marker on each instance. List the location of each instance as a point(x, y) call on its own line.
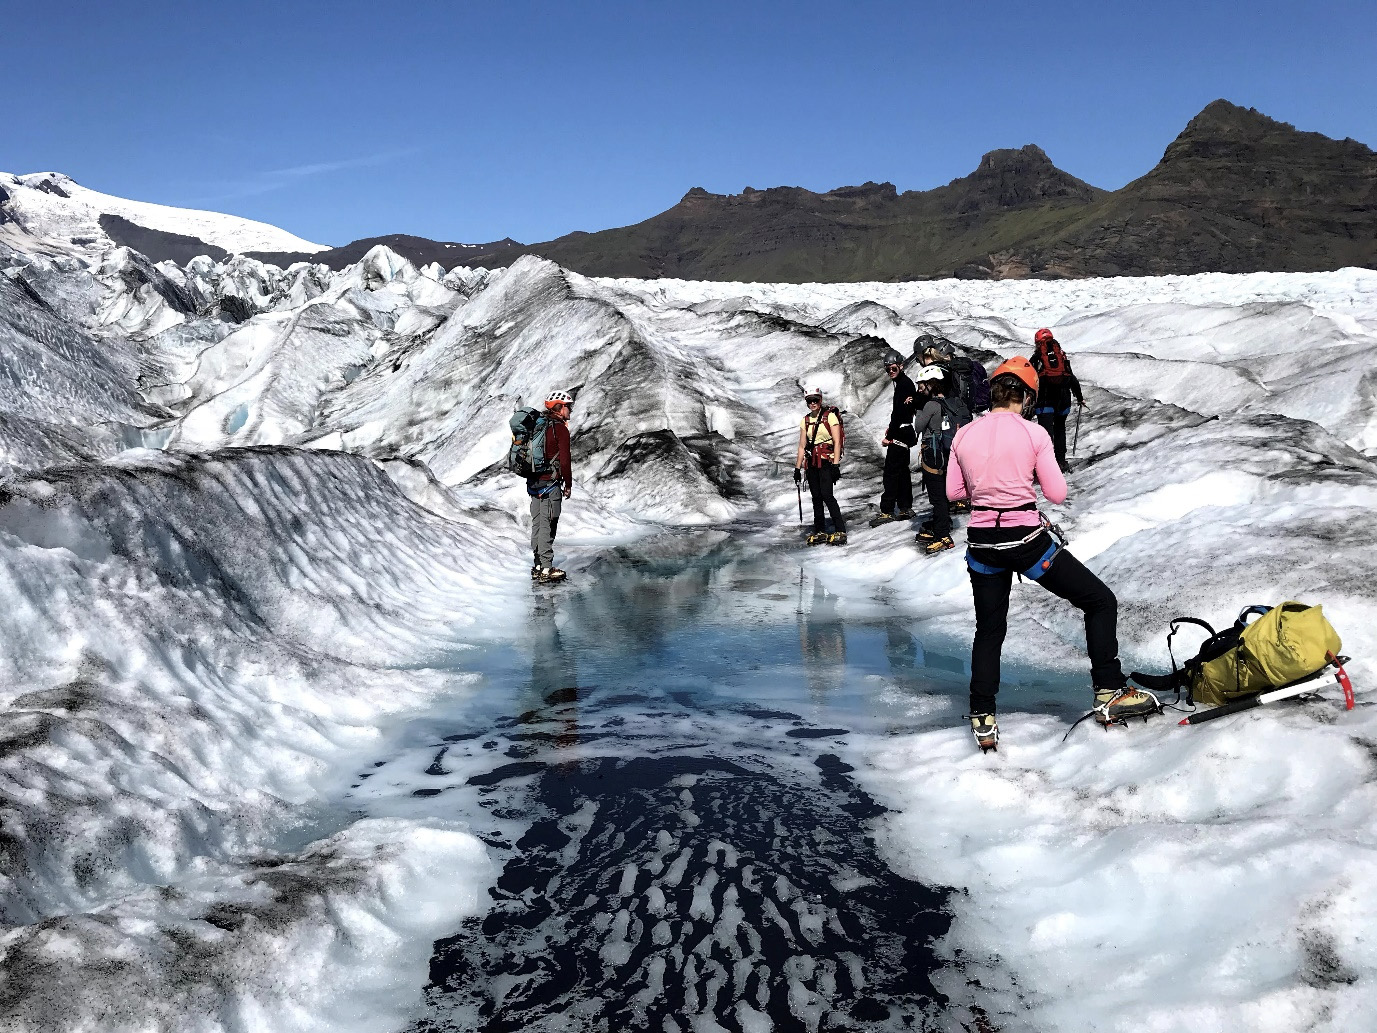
point(466, 121)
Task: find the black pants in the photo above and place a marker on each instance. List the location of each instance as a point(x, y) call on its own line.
point(1055, 425)
point(936, 486)
point(820, 484)
point(897, 494)
point(1067, 578)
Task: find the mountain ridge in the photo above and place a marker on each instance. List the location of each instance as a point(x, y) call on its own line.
point(1234, 191)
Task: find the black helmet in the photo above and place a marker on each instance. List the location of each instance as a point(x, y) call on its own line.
point(893, 358)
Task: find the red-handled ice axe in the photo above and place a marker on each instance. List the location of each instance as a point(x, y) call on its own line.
point(1315, 681)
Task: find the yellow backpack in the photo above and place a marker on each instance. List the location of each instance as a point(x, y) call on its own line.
point(1285, 644)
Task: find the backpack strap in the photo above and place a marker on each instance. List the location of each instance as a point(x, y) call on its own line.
point(839, 437)
point(1178, 676)
point(813, 435)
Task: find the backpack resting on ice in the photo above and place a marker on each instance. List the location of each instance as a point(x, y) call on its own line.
point(1286, 644)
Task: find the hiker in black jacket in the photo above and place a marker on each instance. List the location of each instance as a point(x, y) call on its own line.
point(1056, 385)
point(896, 497)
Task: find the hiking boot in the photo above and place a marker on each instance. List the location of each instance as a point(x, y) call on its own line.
point(1065, 466)
point(881, 518)
point(1117, 703)
point(986, 731)
point(535, 573)
point(927, 534)
point(939, 545)
point(961, 506)
point(816, 538)
point(906, 514)
point(551, 574)
point(836, 538)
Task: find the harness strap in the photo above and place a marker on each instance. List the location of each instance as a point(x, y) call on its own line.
point(999, 512)
point(999, 546)
point(1024, 507)
point(1033, 573)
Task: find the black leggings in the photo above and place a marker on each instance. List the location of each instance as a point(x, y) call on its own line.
point(820, 486)
point(1055, 425)
point(897, 494)
point(936, 487)
point(1067, 578)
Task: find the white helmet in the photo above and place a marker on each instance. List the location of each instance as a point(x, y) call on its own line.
point(931, 373)
point(812, 392)
point(555, 398)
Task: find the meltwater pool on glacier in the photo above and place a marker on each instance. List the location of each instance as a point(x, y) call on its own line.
point(661, 766)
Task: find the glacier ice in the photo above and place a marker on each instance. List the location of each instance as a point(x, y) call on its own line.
point(254, 520)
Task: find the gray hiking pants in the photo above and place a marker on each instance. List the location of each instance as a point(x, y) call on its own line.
point(544, 524)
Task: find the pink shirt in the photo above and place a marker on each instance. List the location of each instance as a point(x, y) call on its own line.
point(994, 462)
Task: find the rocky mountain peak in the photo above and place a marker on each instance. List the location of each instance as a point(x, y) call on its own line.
point(1029, 156)
point(1011, 178)
point(1227, 131)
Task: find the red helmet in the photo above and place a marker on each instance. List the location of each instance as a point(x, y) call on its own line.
point(1042, 335)
point(1019, 367)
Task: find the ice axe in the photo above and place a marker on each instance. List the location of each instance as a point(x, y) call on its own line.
point(1318, 680)
point(798, 487)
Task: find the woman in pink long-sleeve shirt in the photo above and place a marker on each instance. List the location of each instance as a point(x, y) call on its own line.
point(996, 461)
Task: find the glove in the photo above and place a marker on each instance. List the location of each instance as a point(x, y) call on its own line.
point(836, 472)
point(798, 475)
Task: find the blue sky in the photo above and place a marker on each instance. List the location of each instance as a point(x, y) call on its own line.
point(470, 122)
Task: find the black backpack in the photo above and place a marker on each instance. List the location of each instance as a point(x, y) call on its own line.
point(973, 383)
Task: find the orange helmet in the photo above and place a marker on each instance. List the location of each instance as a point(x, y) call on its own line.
point(1042, 335)
point(1019, 367)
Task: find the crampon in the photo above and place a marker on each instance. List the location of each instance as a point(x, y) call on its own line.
point(1118, 706)
point(986, 731)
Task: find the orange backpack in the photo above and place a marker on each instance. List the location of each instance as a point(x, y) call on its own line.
point(1053, 361)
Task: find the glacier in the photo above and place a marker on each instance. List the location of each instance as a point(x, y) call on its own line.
point(256, 537)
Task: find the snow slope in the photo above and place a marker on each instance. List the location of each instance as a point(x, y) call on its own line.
point(332, 488)
point(49, 204)
point(186, 660)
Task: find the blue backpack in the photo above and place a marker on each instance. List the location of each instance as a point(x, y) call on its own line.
point(526, 457)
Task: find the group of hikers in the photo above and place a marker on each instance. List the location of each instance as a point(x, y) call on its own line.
point(928, 410)
point(979, 451)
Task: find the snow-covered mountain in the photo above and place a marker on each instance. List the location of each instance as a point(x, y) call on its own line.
point(253, 519)
point(54, 206)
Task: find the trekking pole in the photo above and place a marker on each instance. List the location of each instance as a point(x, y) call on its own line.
point(799, 488)
point(1077, 436)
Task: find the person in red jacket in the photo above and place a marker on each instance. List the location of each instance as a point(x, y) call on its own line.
point(548, 490)
point(1056, 386)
